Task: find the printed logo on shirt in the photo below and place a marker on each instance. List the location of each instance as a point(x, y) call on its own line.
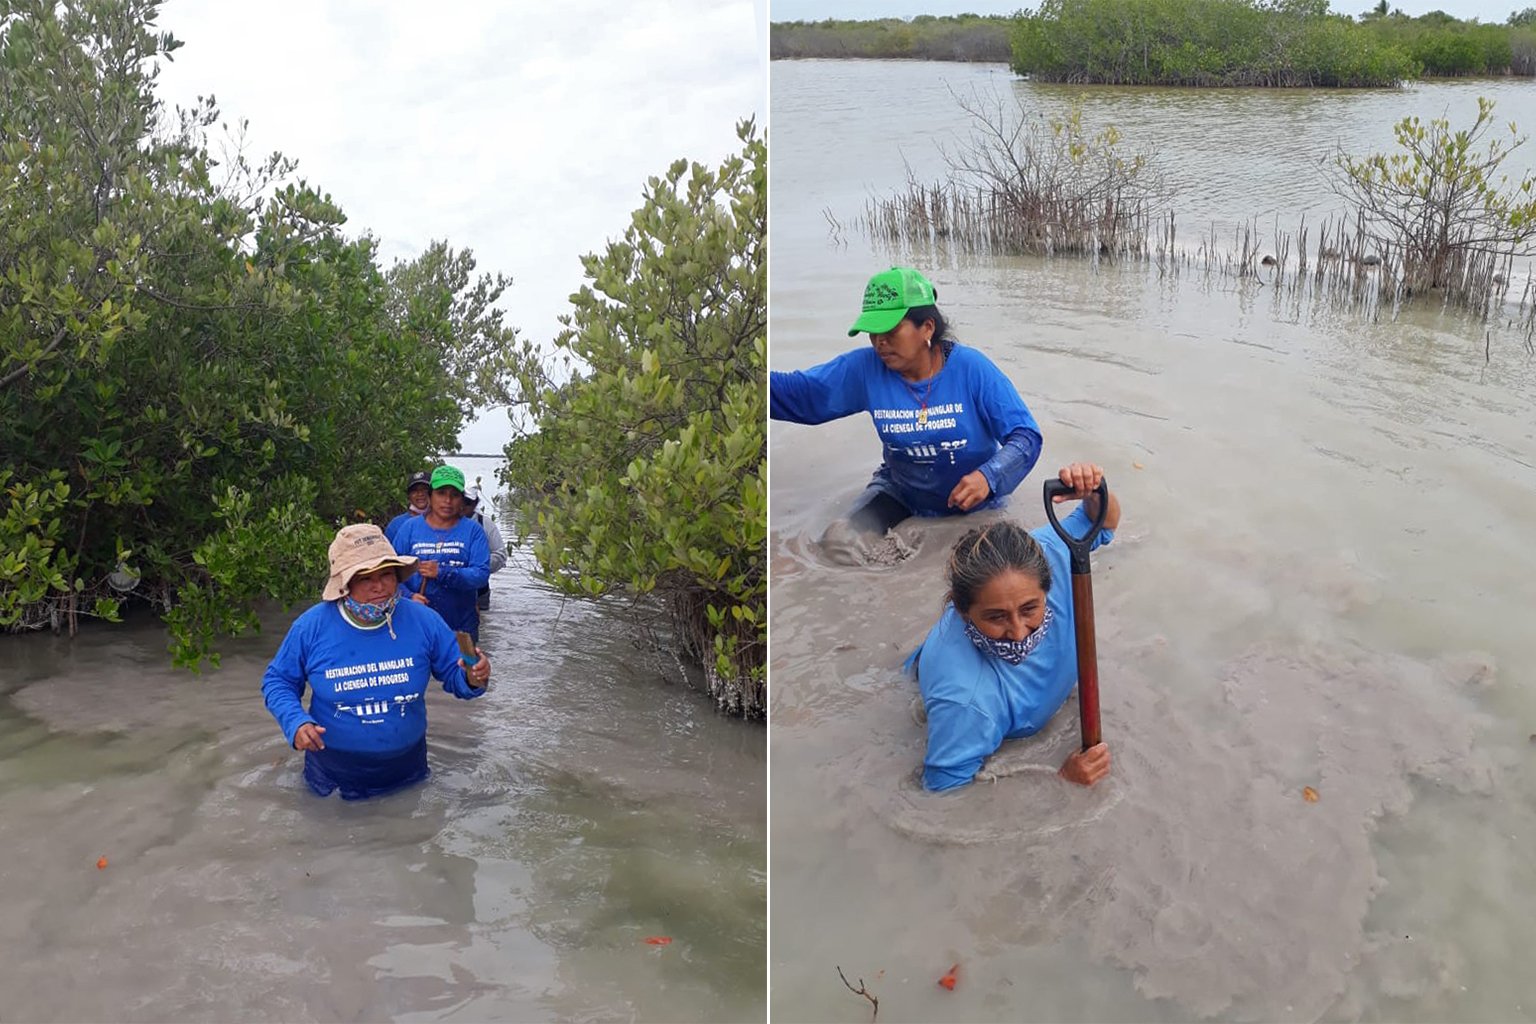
point(370, 711)
point(449, 552)
point(370, 674)
point(911, 421)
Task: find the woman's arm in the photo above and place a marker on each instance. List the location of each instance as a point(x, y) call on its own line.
point(1013, 461)
point(959, 740)
point(443, 655)
point(282, 685)
point(476, 572)
point(498, 546)
point(829, 391)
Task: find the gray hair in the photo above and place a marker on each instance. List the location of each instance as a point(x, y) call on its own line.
point(987, 551)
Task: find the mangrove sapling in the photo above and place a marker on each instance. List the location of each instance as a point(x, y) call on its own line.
point(1022, 184)
point(1440, 202)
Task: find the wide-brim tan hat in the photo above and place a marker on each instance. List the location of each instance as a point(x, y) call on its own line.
point(362, 547)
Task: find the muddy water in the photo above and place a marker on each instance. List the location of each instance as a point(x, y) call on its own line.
point(1323, 579)
point(584, 804)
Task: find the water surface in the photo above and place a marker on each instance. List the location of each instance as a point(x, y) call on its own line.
point(1322, 579)
point(588, 801)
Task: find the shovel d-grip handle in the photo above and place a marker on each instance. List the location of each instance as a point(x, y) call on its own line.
point(1082, 607)
point(1079, 546)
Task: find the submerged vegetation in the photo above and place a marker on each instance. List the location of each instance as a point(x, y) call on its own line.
point(1022, 185)
point(1434, 220)
point(201, 373)
point(644, 468)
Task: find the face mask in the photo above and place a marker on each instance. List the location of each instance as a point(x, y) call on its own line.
point(369, 614)
point(1011, 651)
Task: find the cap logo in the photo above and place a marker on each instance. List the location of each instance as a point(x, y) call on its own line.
point(880, 295)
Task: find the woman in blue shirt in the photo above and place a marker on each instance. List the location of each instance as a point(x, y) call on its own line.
point(455, 557)
point(955, 434)
point(366, 657)
point(1002, 659)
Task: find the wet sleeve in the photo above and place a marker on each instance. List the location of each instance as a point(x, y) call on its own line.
point(477, 552)
point(909, 666)
point(282, 685)
point(959, 739)
point(1078, 524)
point(498, 546)
point(443, 651)
point(1013, 461)
point(830, 391)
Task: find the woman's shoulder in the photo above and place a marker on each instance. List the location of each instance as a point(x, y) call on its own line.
point(971, 360)
point(949, 665)
point(312, 622)
point(316, 614)
point(414, 615)
point(862, 358)
point(412, 611)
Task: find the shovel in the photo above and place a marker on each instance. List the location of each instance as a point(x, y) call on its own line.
point(1082, 606)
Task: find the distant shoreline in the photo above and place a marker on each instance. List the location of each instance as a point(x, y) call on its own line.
point(1232, 44)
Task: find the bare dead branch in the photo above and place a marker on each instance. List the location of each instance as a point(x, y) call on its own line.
point(862, 991)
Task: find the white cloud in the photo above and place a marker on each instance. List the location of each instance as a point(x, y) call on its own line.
point(523, 131)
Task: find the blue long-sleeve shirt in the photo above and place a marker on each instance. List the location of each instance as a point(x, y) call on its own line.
point(967, 417)
point(975, 701)
point(463, 558)
point(367, 688)
point(399, 521)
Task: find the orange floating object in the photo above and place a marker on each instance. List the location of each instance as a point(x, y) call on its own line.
point(948, 981)
point(101, 863)
point(1309, 794)
point(658, 940)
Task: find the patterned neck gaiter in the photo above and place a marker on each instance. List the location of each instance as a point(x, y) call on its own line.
point(1011, 651)
point(369, 614)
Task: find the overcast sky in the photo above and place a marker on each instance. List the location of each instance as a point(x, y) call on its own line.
point(815, 10)
point(521, 130)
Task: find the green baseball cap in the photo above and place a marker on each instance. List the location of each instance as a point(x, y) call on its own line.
point(889, 295)
point(447, 476)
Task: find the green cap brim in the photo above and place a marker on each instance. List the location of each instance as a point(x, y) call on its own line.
point(877, 321)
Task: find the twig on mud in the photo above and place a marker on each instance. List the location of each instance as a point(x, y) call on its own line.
point(862, 991)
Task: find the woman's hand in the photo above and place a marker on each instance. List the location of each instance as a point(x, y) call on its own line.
point(1083, 477)
point(971, 491)
point(478, 674)
point(421, 598)
point(308, 737)
point(1086, 767)
point(428, 570)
